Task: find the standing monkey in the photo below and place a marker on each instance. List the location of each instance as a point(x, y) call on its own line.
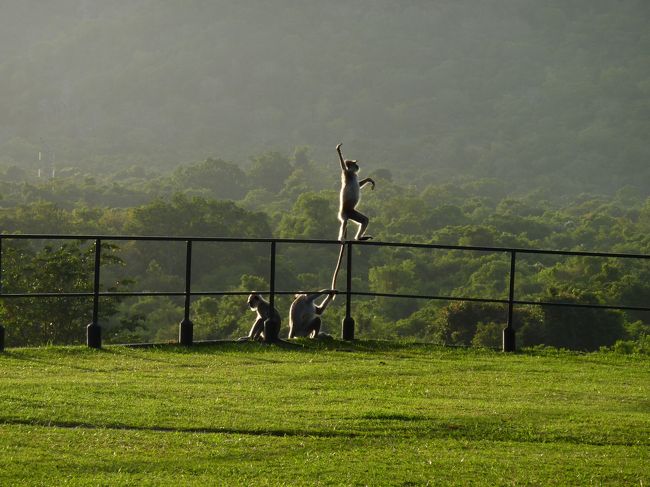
point(349, 197)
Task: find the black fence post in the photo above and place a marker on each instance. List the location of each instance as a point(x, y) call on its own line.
point(93, 330)
point(186, 327)
point(271, 325)
point(509, 330)
point(2, 328)
point(347, 328)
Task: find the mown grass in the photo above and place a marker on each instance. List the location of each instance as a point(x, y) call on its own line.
point(333, 413)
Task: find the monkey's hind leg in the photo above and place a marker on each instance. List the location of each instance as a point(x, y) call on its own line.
point(274, 332)
point(363, 221)
point(343, 232)
point(256, 331)
point(313, 328)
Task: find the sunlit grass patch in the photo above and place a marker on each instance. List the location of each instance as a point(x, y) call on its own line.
point(330, 412)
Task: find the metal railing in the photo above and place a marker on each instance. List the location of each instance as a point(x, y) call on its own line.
point(347, 331)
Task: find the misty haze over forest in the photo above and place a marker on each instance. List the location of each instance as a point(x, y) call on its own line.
point(538, 94)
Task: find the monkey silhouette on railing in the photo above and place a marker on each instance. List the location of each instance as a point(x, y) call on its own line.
point(350, 196)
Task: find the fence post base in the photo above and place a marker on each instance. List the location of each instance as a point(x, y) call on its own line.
point(2, 338)
point(271, 330)
point(94, 336)
point(509, 339)
point(186, 332)
point(347, 328)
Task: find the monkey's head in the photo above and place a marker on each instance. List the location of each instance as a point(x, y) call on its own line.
point(254, 300)
point(352, 165)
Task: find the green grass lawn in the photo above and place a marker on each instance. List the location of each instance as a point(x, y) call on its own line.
point(368, 413)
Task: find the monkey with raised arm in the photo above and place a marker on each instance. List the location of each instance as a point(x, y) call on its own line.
point(349, 197)
point(305, 314)
point(263, 309)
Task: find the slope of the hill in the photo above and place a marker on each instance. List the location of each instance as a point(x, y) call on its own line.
point(536, 92)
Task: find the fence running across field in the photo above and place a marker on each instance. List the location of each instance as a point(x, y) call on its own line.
point(347, 331)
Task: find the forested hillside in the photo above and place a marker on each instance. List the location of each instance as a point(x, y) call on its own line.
point(480, 213)
point(533, 93)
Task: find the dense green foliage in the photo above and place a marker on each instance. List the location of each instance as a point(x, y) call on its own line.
point(544, 93)
point(182, 202)
point(368, 413)
point(35, 320)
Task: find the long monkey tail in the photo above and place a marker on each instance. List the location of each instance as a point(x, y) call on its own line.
point(338, 266)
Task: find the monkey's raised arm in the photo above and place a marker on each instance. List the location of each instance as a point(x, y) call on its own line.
point(363, 182)
point(314, 296)
point(338, 149)
point(320, 308)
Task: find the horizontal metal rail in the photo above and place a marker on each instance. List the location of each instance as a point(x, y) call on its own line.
point(369, 243)
point(501, 301)
point(186, 333)
point(126, 294)
point(148, 293)
point(582, 305)
point(429, 297)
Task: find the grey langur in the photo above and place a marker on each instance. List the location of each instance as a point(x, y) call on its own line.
point(305, 314)
point(263, 309)
point(349, 197)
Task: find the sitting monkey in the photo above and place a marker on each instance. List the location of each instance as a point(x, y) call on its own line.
point(258, 304)
point(305, 314)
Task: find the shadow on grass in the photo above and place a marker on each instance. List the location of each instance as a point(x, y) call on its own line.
point(419, 427)
point(383, 416)
point(170, 429)
point(297, 345)
point(308, 345)
point(388, 424)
